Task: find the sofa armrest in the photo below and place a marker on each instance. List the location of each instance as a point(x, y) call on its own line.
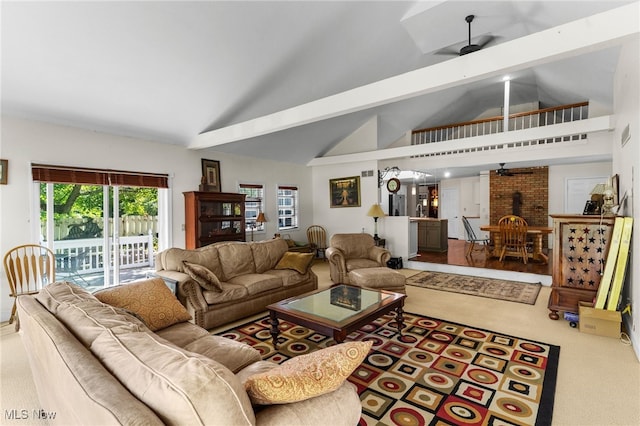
point(337, 264)
point(380, 255)
point(337, 408)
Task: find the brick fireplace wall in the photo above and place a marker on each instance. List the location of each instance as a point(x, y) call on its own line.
point(534, 195)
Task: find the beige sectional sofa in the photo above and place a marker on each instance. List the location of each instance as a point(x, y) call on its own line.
point(95, 363)
point(251, 275)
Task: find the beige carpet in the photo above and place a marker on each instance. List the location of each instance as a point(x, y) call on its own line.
point(598, 377)
point(513, 291)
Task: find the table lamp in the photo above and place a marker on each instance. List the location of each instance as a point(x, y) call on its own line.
point(375, 211)
point(260, 219)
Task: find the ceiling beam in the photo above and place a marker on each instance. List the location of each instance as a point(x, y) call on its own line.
point(590, 34)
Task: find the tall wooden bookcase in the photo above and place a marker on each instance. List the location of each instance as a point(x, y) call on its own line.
point(580, 248)
point(211, 217)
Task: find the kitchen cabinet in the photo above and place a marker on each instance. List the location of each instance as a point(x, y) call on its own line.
point(432, 234)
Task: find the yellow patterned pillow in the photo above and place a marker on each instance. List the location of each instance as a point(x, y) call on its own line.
point(297, 261)
point(307, 376)
point(150, 299)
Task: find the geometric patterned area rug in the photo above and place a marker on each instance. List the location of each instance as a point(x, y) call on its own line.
point(513, 291)
point(437, 373)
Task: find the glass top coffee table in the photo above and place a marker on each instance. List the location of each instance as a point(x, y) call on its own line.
point(336, 311)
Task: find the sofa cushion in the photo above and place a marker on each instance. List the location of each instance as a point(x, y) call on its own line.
point(299, 262)
point(182, 334)
point(62, 291)
point(308, 375)
point(179, 386)
point(84, 315)
point(202, 275)
point(353, 264)
point(289, 277)
point(266, 254)
point(230, 353)
point(236, 259)
point(230, 292)
point(150, 299)
point(207, 256)
point(257, 283)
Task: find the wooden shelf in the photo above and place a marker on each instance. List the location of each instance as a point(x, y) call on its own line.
point(211, 217)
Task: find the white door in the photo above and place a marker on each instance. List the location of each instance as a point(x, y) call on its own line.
point(449, 209)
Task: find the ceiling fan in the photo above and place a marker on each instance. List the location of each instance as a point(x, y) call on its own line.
point(506, 172)
point(469, 48)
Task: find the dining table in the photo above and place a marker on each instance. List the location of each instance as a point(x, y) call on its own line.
point(536, 232)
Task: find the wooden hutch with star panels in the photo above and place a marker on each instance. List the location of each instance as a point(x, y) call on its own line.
point(580, 248)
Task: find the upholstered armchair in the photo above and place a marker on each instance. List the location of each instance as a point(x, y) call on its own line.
point(347, 252)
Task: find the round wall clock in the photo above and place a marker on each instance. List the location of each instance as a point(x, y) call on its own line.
point(393, 185)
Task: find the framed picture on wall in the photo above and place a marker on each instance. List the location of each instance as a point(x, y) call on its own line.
point(4, 170)
point(344, 192)
point(210, 176)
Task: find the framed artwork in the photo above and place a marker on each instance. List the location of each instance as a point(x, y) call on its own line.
point(344, 192)
point(346, 297)
point(615, 184)
point(4, 170)
point(210, 176)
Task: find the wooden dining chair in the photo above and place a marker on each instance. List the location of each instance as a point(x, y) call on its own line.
point(317, 237)
point(28, 267)
point(513, 236)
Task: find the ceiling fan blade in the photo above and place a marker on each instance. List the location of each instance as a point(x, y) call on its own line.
point(447, 52)
point(486, 40)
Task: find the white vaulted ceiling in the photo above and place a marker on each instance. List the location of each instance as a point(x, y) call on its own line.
point(177, 72)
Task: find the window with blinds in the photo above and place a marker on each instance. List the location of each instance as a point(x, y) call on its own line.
point(254, 204)
point(287, 207)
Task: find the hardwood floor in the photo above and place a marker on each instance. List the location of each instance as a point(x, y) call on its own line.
point(456, 256)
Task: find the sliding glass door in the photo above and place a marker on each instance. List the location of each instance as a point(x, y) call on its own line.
point(102, 234)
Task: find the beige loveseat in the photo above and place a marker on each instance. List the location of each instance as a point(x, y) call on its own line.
point(97, 364)
point(251, 276)
point(348, 252)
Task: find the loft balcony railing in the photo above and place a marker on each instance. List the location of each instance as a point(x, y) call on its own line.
point(493, 125)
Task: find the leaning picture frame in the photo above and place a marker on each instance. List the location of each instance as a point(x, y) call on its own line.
point(344, 192)
point(4, 170)
point(210, 176)
point(615, 185)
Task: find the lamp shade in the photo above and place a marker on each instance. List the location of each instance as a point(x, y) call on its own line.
point(261, 218)
point(598, 189)
point(375, 211)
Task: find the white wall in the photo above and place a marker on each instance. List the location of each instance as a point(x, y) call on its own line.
point(25, 142)
point(626, 163)
point(558, 176)
point(345, 219)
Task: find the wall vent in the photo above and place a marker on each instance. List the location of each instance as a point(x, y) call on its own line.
point(367, 173)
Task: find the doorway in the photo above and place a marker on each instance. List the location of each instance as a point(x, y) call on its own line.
point(450, 210)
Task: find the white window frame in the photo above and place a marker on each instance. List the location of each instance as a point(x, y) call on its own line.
point(247, 188)
point(295, 207)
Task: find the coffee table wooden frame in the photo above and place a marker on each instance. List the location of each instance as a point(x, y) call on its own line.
point(337, 329)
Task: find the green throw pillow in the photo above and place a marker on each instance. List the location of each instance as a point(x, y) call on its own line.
point(203, 276)
point(297, 261)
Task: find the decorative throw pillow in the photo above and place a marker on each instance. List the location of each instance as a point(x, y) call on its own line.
point(150, 299)
point(297, 261)
point(203, 276)
point(307, 376)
